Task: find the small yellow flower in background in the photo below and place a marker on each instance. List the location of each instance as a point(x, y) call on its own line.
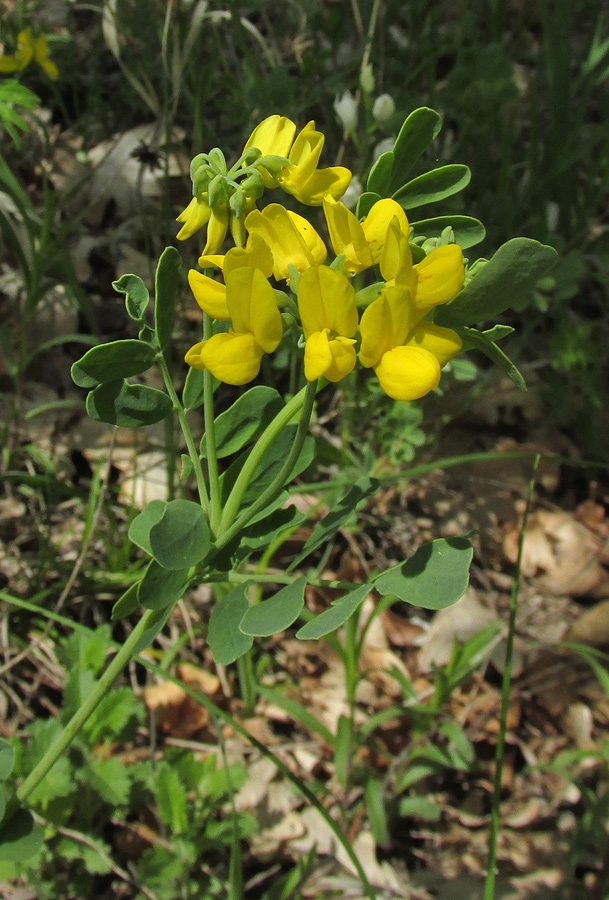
point(303, 179)
point(235, 357)
point(362, 242)
point(29, 49)
point(290, 237)
point(326, 301)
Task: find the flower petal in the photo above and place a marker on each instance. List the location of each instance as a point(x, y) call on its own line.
point(377, 222)
point(273, 136)
point(326, 300)
point(209, 294)
point(333, 180)
point(407, 373)
point(253, 308)
point(332, 358)
point(256, 254)
point(231, 358)
point(291, 238)
point(440, 276)
point(347, 236)
point(385, 324)
point(444, 343)
point(396, 256)
point(195, 216)
point(216, 229)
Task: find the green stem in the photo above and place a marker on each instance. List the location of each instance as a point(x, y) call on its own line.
point(489, 884)
point(102, 687)
point(215, 509)
point(304, 401)
point(190, 443)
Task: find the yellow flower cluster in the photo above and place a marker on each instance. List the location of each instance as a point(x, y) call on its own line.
point(392, 334)
point(29, 49)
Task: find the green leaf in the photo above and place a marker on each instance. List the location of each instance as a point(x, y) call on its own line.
point(330, 524)
point(2, 802)
point(263, 531)
point(167, 282)
point(58, 782)
point(478, 340)
point(433, 186)
point(136, 295)
point(365, 203)
point(338, 613)
point(160, 587)
point(193, 393)
point(115, 712)
point(468, 231)
point(375, 806)
point(417, 132)
point(128, 405)
point(180, 539)
point(7, 759)
point(509, 277)
point(171, 799)
point(379, 178)
point(155, 626)
point(110, 362)
point(419, 808)
point(435, 577)
point(109, 779)
point(276, 614)
point(248, 416)
point(227, 642)
point(94, 856)
point(139, 530)
point(126, 604)
point(20, 837)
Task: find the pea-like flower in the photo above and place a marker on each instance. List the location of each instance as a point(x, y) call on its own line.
point(290, 237)
point(235, 357)
point(273, 136)
point(406, 352)
point(28, 49)
point(303, 179)
point(326, 301)
point(362, 243)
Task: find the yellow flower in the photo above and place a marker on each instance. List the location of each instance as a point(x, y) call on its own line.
point(362, 242)
point(272, 136)
point(256, 253)
point(406, 352)
point(235, 357)
point(303, 179)
point(195, 216)
point(326, 302)
point(28, 49)
point(290, 237)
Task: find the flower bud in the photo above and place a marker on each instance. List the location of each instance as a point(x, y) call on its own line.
point(199, 160)
point(217, 158)
point(383, 107)
point(345, 108)
point(366, 79)
point(253, 186)
point(218, 192)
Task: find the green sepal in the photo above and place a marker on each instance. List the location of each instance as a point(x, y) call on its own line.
point(368, 294)
point(109, 362)
point(434, 578)
point(166, 284)
point(136, 295)
point(128, 405)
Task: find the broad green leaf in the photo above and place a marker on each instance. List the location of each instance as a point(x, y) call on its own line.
point(58, 782)
point(95, 856)
point(468, 231)
point(379, 178)
point(193, 394)
point(417, 132)
point(433, 186)
point(337, 517)
point(478, 340)
point(7, 759)
point(509, 277)
point(365, 203)
point(248, 416)
point(276, 614)
point(136, 295)
point(172, 802)
point(160, 587)
point(180, 539)
point(226, 641)
point(337, 614)
point(139, 530)
point(128, 405)
point(435, 577)
point(110, 362)
point(20, 837)
point(115, 712)
point(420, 808)
point(108, 778)
point(126, 604)
point(166, 284)
point(263, 531)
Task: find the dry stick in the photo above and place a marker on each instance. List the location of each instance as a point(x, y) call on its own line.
point(489, 884)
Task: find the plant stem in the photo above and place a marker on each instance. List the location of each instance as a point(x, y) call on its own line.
point(82, 714)
point(304, 401)
point(489, 884)
point(215, 510)
point(190, 444)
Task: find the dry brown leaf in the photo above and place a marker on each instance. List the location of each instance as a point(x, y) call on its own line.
point(592, 626)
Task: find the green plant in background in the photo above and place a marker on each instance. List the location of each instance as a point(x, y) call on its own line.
point(405, 326)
